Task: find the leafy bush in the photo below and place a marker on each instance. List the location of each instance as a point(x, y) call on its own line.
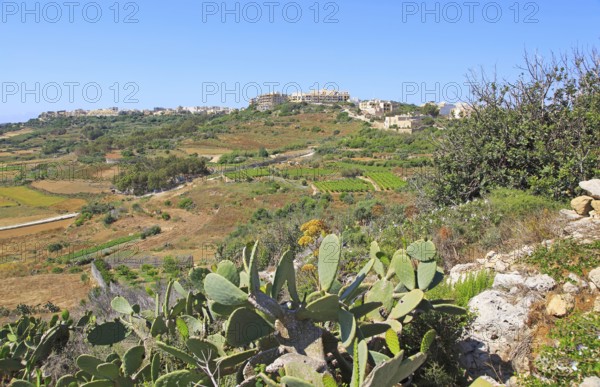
point(564, 257)
point(104, 270)
point(186, 204)
point(109, 219)
point(574, 357)
point(154, 230)
point(466, 288)
point(539, 133)
point(54, 247)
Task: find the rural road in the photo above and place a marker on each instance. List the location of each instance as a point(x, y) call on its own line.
point(37, 222)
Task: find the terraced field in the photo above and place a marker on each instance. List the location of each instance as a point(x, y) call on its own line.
point(344, 185)
point(28, 197)
point(4, 202)
point(386, 180)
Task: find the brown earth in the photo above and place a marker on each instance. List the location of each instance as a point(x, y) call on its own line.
point(63, 290)
point(25, 231)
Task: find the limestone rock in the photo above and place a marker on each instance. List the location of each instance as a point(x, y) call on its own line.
point(459, 272)
point(596, 205)
point(597, 305)
point(594, 276)
point(582, 205)
point(568, 287)
point(594, 214)
point(592, 187)
point(570, 214)
point(585, 230)
point(540, 283)
point(560, 305)
point(590, 381)
point(497, 331)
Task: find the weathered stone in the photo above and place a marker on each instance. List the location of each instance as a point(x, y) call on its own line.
point(596, 205)
point(582, 205)
point(594, 214)
point(590, 381)
point(570, 214)
point(568, 287)
point(496, 332)
point(592, 187)
point(585, 230)
point(540, 283)
point(597, 305)
point(459, 272)
point(507, 280)
point(594, 276)
point(560, 305)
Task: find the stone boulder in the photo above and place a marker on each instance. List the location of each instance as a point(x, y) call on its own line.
point(460, 272)
point(493, 341)
point(590, 381)
point(560, 305)
point(596, 205)
point(582, 205)
point(594, 276)
point(592, 187)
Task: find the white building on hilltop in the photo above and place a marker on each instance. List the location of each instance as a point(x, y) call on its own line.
point(321, 96)
point(376, 107)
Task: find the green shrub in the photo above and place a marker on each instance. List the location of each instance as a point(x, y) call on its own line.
point(186, 204)
point(109, 219)
point(104, 270)
point(154, 230)
point(58, 270)
point(464, 290)
point(564, 257)
point(574, 357)
point(54, 247)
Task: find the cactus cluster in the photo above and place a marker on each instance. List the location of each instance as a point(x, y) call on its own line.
point(343, 333)
point(25, 344)
point(343, 321)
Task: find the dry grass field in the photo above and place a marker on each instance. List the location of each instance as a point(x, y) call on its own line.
point(64, 290)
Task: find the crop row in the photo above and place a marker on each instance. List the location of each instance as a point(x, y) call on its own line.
point(386, 180)
point(345, 185)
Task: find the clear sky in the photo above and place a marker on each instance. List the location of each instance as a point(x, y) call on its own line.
point(63, 55)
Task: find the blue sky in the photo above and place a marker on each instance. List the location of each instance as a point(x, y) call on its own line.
point(161, 53)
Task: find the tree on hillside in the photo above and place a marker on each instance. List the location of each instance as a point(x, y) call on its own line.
point(539, 132)
point(431, 109)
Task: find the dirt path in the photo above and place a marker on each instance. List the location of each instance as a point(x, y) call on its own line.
point(370, 181)
point(39, 222)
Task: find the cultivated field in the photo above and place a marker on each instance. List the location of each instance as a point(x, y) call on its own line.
point(28, 197)
point(72, 187)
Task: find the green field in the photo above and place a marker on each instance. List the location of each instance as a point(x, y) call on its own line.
point(307, 173)
point(29, 197)
point(248, 173)
point(4, 202)
point(345, 185)
point(386, 180)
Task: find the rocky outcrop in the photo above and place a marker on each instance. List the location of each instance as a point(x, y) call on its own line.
point(592, 187)
point(582, 205)
point(560, 305)
point(496, 342)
